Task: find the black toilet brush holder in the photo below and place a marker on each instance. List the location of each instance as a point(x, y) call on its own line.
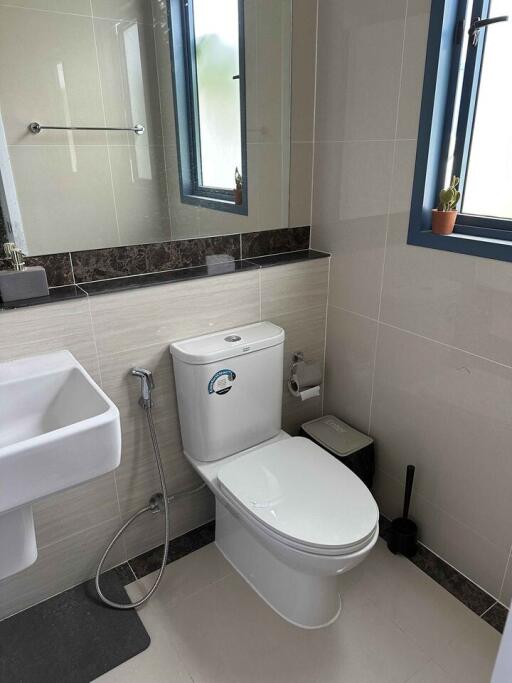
point(403, 533)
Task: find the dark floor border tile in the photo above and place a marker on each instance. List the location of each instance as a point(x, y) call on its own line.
point(467, 592)
point(496, 616)
point(179, 547)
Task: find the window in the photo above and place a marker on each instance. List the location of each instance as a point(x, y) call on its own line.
point(207, 54)
point(466, 127)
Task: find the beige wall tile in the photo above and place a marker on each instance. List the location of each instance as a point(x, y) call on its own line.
point(296, 412)
point(356, 264)
point(164, 71)
point(131, 10)
point(140, 192)
point(305, 331)
point(270, 186)
point(453, 298)
point(303, 69)
point(293, 288)
point(301, 172)
point(415, 47)
point(447, 412)
point(344, 173)
point(58, 567)
point(358, 69)
point(349, 362)
point(268, 53)
point(506, 589)
point(68, 6)
point(86, 217)
point(161, 314)
point(77, 509)
point(127, 64)
point(44, 329)
point(186, 514)
point(56, 63)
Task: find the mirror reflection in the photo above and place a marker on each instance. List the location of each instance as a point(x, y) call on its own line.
point(158, 120)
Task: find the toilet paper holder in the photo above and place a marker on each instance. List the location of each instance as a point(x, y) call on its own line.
point(305, 378)
point(297, 357)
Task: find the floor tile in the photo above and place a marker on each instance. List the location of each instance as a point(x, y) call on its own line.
point(225, 633)
point(397, 626)
point(408, 597)
point(431, 673)
point(470, 656)
point(185, 577)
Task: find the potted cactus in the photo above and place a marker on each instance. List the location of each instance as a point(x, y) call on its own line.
point(238, 191)
point(444, 217)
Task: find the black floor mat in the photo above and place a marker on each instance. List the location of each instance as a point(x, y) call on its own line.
point(71, 638)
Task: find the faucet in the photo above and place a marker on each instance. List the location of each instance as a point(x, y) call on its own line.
point(147, 385)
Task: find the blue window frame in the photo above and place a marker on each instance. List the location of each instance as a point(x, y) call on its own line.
point(453, 69)
point(196, 157)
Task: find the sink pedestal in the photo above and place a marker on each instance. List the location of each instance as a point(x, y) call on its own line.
point(19, 549)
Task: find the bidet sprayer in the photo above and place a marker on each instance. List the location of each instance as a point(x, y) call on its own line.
point(147, 385)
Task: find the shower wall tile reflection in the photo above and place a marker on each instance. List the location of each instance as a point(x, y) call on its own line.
point(107, 63)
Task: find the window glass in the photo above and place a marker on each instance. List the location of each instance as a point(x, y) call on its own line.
point(218, 92)
point(488, 184)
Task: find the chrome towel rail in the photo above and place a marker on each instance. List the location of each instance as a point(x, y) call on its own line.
point(36, 128)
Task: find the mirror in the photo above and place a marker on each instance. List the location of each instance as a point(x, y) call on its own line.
point(212, 159)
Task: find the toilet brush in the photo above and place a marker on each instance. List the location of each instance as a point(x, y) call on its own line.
point(403, 533)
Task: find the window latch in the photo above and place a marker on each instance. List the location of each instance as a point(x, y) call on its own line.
point(478, 24)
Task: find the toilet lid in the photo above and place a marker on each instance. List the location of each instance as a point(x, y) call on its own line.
point(301, 492)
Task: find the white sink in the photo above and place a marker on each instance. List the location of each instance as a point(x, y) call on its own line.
point(57, 429)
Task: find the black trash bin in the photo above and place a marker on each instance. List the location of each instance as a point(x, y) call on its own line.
point(352, 448)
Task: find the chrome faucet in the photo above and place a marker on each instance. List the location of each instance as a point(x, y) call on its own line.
point(147, 385)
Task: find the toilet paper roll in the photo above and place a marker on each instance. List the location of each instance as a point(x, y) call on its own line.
point(309, 393)
point(305, 380)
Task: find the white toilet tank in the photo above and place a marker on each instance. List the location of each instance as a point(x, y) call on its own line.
point(229, 387)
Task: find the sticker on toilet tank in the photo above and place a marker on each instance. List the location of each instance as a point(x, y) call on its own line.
point(221, 382)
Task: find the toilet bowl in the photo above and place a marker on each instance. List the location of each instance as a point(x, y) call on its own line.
point(289, 517)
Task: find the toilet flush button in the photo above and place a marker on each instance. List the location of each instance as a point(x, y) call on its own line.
point(232, 338)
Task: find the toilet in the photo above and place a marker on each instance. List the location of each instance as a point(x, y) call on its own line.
point(289, 517)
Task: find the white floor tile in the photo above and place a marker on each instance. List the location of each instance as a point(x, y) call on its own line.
point(410, 598)
point(397, 626)
point(431, 673)
point(470, 656)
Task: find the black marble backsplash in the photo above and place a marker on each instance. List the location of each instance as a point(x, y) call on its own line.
point(78, 267)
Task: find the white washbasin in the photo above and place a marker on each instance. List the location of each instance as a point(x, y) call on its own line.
point(57, 429)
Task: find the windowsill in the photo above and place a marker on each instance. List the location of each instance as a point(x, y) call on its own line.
point(462, 243)
point(217, 204)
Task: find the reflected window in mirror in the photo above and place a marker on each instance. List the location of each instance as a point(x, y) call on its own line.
point(207, 54)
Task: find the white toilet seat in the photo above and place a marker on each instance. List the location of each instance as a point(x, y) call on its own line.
point(297, 493)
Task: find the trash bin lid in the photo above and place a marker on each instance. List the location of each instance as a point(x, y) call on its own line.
point(335, 435)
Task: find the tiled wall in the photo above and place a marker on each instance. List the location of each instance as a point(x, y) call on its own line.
point(419, 342)
point(111, 333)
point(65, 62)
